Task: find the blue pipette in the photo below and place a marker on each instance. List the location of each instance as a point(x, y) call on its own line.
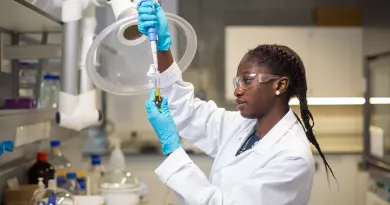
point(152, 35)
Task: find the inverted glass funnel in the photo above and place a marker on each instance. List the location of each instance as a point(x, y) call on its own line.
point(120, 57)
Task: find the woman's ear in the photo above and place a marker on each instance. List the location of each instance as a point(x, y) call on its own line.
point(282, 84)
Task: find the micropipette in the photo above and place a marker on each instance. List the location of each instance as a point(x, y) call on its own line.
point(152, 35)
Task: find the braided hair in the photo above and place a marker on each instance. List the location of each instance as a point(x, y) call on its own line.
point(283, 61)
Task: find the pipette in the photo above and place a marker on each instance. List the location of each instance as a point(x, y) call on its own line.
point(152, 35)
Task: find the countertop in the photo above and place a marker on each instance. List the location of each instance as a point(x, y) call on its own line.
point(143, 165)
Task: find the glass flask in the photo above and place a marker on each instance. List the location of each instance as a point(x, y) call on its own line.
point(53, 196)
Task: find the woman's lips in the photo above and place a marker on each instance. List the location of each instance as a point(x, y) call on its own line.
point(240, 104)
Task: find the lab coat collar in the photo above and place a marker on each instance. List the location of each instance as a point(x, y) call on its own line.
point(276, 133)
point(266, 143)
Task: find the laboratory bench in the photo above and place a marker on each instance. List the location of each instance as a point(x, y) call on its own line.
point(143, 166)
point(352, 179)
point(343, 152)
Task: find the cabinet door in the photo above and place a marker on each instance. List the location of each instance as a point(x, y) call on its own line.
point(336, 62)
point(345, 169)
point(372, 199)
point(239, 39)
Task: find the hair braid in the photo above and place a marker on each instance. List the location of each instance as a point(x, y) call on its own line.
point(306, 118)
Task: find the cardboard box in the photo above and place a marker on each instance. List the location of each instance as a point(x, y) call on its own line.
point(21, 196)
point(338, 16)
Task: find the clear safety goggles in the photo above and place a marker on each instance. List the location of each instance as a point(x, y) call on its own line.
point(249, 81)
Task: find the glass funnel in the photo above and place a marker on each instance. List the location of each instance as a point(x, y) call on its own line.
point(120, 57)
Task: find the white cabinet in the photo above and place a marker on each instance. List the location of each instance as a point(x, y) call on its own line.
point(336, 62)
point(332, 55)
point(352, 182)
point(372, 199)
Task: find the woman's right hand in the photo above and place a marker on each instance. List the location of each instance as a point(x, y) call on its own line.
point(149, 17)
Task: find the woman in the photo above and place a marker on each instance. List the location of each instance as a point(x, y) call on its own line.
point(261, 154)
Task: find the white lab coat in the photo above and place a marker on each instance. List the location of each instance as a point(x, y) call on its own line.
point(279, 170)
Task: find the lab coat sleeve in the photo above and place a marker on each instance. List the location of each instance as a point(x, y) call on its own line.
point(281, 182)
point(200, 123)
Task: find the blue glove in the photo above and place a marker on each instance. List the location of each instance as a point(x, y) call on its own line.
point(6, 146)
point(148, 17)
point(163, 124)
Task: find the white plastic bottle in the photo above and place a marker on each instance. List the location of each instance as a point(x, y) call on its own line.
point(96, 174)
point(41, 186)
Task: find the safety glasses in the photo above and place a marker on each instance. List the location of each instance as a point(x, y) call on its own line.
point(249, 81)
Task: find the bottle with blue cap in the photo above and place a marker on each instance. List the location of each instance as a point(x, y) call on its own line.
point(56, 156)
point(83, 186)
point(59, 161)
point(96, 173)
point(71, 184)
point(49, 91)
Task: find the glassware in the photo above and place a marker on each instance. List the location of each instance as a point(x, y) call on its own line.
point(120, 61)
point(53, 196)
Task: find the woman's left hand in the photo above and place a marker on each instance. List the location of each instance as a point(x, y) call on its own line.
point(163, 124)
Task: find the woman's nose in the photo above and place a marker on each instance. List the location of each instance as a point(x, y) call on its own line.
point(238, 91)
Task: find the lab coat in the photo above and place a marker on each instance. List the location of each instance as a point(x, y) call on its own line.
point(279, 170)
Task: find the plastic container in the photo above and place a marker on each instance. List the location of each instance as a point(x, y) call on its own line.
point(41, 186)
point(49, 91)
point(89, 200)
point(27, 72)
point(71, 184)
point(83, 186)
point(20, 103)
point(61, 180)
point(120, 196)
point(96, 173)
point(41, 169)
point(120, 187)
point(120, 65)
point(57, 158)
point(95, 156)
point(59, 161)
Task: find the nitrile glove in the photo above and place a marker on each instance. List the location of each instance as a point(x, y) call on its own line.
point(163, 124)
point(6, 146)
point(149, 17)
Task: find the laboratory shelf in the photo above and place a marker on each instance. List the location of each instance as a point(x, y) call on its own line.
point(22, 17)
point(24, 127)
point(26, 112)
point(16, 118)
